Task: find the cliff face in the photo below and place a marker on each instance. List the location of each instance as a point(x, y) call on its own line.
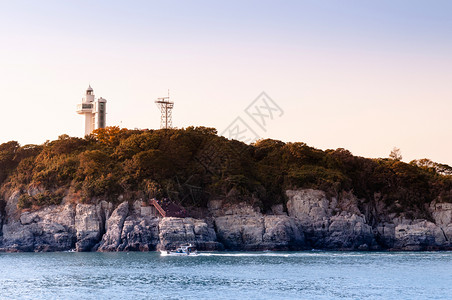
point(49, 229)
point(89, 227)
point(312, 220)
point(242, 227)
point(328, 223)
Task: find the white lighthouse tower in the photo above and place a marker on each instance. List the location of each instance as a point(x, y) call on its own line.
point(94, 110)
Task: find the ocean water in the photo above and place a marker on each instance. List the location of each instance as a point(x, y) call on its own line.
point(227, 275)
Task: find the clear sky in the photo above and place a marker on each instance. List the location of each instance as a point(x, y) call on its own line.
point(361, 75)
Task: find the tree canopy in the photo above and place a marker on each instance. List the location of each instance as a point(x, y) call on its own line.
point(194, 164)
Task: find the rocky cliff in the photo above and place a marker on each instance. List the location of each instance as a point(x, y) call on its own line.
point(310, 220)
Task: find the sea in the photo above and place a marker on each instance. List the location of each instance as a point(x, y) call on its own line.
point(227, 275)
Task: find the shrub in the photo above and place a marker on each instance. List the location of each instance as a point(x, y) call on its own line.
point(41, 199)
point(25, 201)
point(190, 165)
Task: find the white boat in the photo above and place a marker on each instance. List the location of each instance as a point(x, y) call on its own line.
point(182, 250)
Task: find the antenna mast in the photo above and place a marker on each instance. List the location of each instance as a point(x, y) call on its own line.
point(166, 107)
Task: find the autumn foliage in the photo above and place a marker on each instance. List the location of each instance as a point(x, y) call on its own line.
point(194, 164)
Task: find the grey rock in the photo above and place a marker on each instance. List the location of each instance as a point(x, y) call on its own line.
point(139, 234)
point(88, 225)
point(27, 218)
point(282, 233)
point(448, 234)
point(312, 220)
point(441, 213)
point(130, 229)
point(242, 227)
point(112, 237)
point(349, 232)
point(239, 232)
point(11, 205)
point(48, 229)
point(418, 235)
point(176, 231)
point(149, 211)
point(331, 223)
point(385, 234)
point(1, 221)
point(17, 237)
point(141, 229)
point(308, 205)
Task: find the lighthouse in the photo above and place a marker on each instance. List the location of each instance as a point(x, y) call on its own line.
point(94, 111)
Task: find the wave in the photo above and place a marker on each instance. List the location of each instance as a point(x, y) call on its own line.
point(313, 253)
point(247, 254)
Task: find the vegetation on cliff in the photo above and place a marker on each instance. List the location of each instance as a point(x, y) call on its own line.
point(194, 164)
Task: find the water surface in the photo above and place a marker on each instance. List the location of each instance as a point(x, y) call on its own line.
point(227, 275)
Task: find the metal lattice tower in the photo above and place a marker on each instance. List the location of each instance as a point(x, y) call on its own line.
point(166, 108)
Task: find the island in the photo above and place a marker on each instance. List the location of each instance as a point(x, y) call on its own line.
point(144, 190)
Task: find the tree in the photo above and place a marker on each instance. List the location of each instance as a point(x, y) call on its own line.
point(426, 163)
point(395, 154)
point(8, 160)
point(110, 136)
point(93, 163)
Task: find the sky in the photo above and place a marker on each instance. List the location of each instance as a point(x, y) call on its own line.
point(366, 76)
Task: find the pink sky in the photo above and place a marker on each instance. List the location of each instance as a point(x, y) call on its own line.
point(365, 77)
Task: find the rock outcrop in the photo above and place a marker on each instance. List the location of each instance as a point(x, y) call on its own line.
point(112, 237)
point(1, 219)
point(312, 220)
point(139, 234)
point(89, 224)
point(442, 214)
point(329, 224)
point(403, 234)
point(130, 228)
point(49, 229)
point(90, 227)
point(333, 224)
point(242, 227)
point(175, 231)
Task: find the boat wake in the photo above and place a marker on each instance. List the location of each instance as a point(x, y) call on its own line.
point(165, 253)
point(261, 254)
point(301, 254)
